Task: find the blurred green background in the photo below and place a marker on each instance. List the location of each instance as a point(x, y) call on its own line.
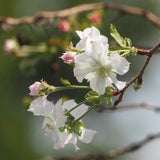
point(20, 132)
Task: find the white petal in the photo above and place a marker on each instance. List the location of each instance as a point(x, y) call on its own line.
point(72, 139)
point(48, 126)
point(94, 33)
point(83, 66)
point(80, 34)
point(119, 84)
point(41, 106)
point(98, 84)
point(120, 64)
point(81, 44)
point(87, 135)
point(69, 104)
point(59, 139)
point(77, 112)
point(59, 114)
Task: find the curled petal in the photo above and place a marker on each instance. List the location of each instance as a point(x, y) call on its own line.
point(120, 64)
point(119, 84)
point(87, 135)
point(72, 139)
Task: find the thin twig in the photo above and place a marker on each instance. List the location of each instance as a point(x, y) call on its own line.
point(8, 22)
point(139, 75)
point(146, 106)
point(114, 153)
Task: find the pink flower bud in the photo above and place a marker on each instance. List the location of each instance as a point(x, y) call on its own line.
point(35, 88)
point(95, 17)
point(9, 45)
point(68, 57)
point(64, 26)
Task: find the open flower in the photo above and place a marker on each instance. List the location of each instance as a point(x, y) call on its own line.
point(100, 68)
point(54, 118)
point(55, 121)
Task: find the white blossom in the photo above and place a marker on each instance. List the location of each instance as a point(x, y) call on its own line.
point(55, 120)
point(100, 68)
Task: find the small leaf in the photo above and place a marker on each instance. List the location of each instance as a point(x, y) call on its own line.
point(65, 82)
point(123, 42)
point(138, 84)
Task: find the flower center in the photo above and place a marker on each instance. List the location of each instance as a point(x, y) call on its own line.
point(103, 71)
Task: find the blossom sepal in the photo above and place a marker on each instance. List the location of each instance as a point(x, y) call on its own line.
point(93, 97)
point(96, 99)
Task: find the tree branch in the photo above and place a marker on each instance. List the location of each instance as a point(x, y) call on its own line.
point(147, 106)
point(139, 75)
point(8, 22)
point(114, 153)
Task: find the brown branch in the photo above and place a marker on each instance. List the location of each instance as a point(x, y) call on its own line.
point(147, 106)
point(139, 75)
point(114, 153)
point(6, 23)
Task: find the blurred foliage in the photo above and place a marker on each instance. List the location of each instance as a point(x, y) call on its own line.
point(15, 143)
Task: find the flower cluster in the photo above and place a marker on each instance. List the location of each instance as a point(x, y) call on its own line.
point(93, 61)
point(63, 126)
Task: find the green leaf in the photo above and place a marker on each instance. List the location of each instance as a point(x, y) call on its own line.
point(123, 42)
point(65, 82)
point(137, 84)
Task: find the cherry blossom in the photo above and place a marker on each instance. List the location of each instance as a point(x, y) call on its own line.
point(100, 68)
point(55, 121)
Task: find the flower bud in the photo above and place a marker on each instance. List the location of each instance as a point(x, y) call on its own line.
point(35, 88)
point(68, 57)
point(64, 26)
point(95, 17)
point(9, 45)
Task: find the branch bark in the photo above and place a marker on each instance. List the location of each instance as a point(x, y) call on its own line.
point(9, 22)
point(114, 153)
point(139, 75)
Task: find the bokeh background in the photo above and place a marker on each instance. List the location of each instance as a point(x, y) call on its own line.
point(20, 132)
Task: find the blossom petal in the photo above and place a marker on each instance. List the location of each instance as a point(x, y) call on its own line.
point(119, 84)
point(87, 135)
point(120, 64)
point(41, 106)
point(72, 139)
point(77, 112)
point(98, 84)
point(83, 66)
point(59, 139)
point(47, 126)
point(59, 114)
